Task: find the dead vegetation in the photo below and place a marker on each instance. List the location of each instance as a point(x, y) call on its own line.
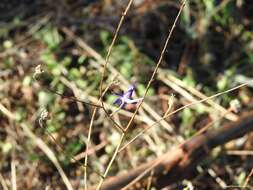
point(193, 129)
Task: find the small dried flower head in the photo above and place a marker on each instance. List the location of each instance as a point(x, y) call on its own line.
point(126, 98)
point(170, 104)
point(44, 115)
point(38, 71)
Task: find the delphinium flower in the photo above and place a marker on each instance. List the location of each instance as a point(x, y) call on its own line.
point(126, 98)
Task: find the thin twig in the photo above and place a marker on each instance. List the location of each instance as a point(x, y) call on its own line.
point(248, 178)
point(6, 112)
point(218, 180)
point(111, 162)
point(147, 88)
point(150, 180)
point(88, 140)
point(101, 92)
point(68, 83)
point(158, 63)
point(3, 182)
point(13, 175)
point(111, 46)
point(178, 85)
point(68, 97)
point(240, 152)
point(183, 107)
point(91, 151)
point(210, 171)
point(205, 128)
point(109, 54)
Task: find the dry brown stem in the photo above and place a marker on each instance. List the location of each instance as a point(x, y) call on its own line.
point(177, 164)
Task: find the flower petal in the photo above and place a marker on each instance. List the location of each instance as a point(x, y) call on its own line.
point(129, 92)
point(134, 101)
point(118, 94)
point(118, 101)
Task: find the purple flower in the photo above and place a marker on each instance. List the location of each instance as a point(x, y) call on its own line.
point(126, 98)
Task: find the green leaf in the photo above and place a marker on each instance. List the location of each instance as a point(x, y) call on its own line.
point(142, 88)
point(27, 81)
point(44, 98)
point(6, 147)
point(50, 36)
point(81, 59)
point(105, 37)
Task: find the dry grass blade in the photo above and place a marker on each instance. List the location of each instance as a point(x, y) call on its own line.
point(13, 175)
point(170, 79)
point(248, 179)
point(6, 112)
point(240, 152)
point(3, 182)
